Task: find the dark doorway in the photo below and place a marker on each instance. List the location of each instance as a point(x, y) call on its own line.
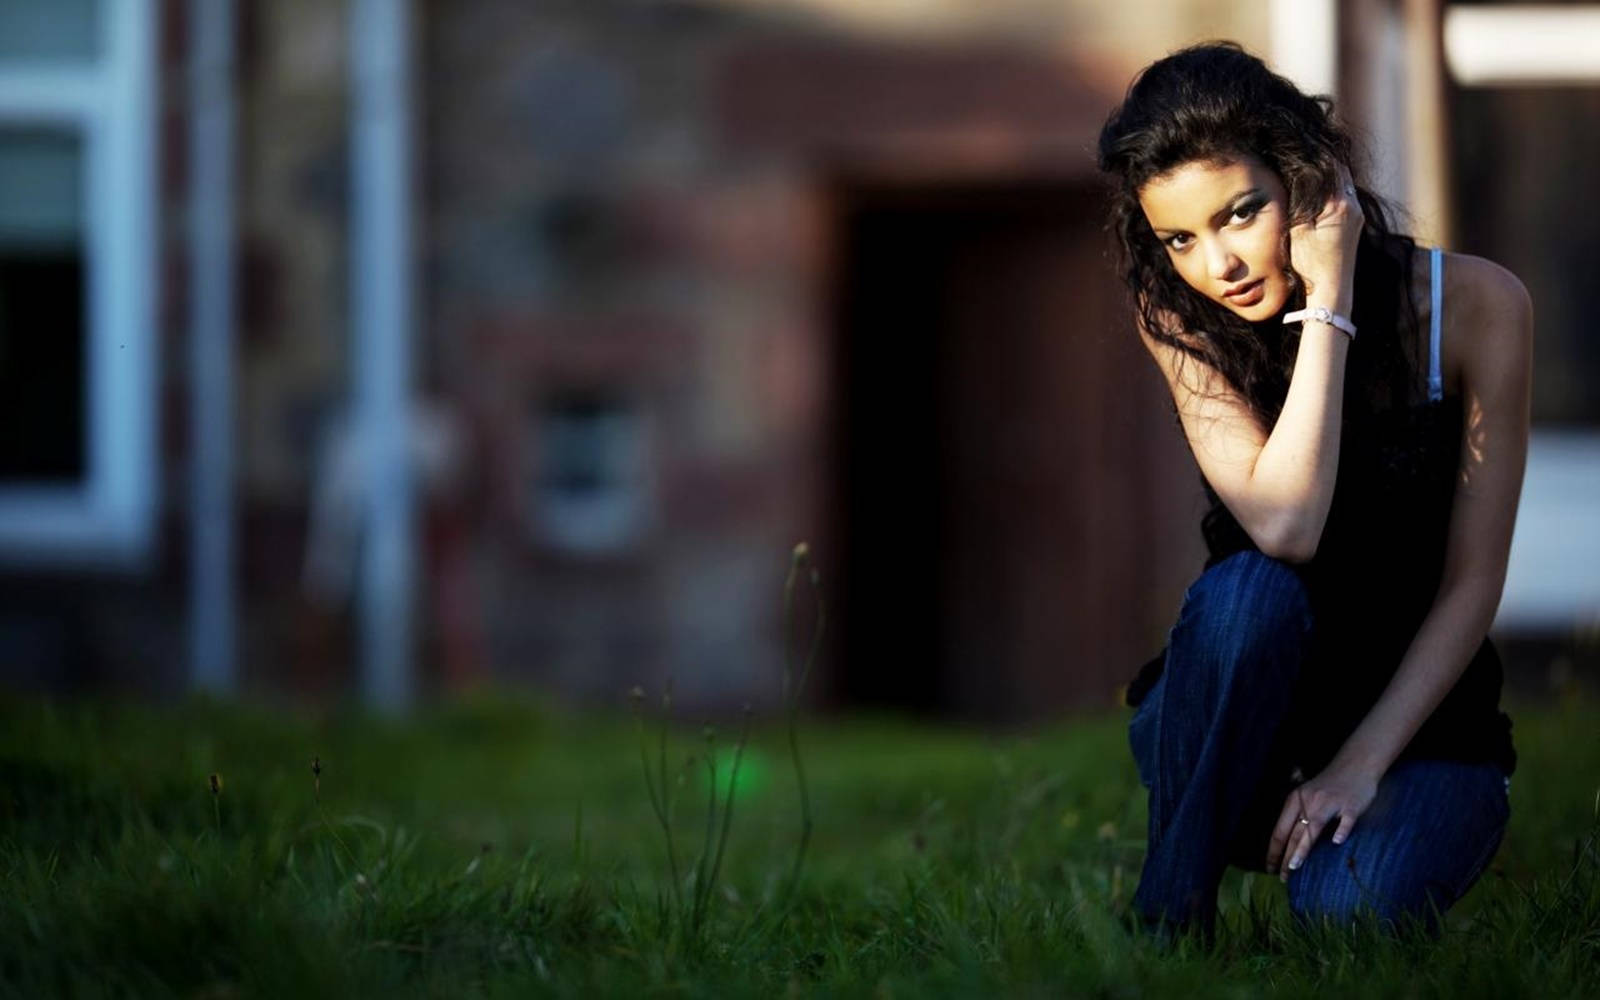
point(1012, 494)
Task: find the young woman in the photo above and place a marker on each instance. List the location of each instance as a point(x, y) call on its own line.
point(1326, 708)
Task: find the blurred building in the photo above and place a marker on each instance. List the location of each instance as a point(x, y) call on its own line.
point(390, 347)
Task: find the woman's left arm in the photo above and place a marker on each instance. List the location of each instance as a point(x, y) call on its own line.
point(1495, 339)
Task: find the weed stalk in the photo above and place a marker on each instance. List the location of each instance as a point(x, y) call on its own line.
point(708, 865)
point(316, 792)
point(727, 810)
point(801, 559)
point(702, 884)
point(660, 795)
point(708, 885)
point(216, 802)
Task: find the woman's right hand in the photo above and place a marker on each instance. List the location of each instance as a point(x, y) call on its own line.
point(1323, 251)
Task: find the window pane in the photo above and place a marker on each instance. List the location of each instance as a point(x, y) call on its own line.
point(41, 187)
point(42, 332)
point(588, 485)
point(49, 29)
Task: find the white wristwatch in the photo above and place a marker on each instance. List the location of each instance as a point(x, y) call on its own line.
point(1322, 314)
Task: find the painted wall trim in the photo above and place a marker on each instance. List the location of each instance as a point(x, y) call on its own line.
point(108, 522)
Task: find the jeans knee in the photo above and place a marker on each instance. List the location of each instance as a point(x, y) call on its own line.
point(1343, 899)
point(1271, 585)
point(1247, 612)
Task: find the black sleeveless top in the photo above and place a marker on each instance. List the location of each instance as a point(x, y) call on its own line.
point(1372, 582)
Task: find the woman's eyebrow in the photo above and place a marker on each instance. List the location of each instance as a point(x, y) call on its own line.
point(1227, 209)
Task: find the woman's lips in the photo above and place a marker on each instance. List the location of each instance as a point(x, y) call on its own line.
point(1249, 295)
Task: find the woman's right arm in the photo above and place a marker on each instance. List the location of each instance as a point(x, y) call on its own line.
point(1279, 484)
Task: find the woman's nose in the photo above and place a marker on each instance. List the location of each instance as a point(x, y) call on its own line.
point(1221, 262)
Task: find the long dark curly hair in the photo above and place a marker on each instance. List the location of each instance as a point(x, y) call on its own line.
point(1216, 101)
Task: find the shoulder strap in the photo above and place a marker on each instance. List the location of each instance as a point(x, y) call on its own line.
point(1435, 381)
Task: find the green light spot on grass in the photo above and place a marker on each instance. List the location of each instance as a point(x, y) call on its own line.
point(754, 773)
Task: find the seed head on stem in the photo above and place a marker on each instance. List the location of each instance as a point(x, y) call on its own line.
point(216, 800)
point(801, 559)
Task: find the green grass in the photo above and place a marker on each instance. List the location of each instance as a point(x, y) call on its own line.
point(507, 848)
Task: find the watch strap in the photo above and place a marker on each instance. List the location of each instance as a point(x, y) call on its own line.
point(1322, 314)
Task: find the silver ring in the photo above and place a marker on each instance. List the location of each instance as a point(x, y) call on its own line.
point(1304, 821)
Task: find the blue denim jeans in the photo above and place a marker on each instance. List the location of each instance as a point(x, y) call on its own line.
point(1218, 765)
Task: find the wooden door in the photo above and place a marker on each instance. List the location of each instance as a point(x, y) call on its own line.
point(1018, 512)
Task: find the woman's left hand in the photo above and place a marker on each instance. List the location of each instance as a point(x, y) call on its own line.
point(1339, 793)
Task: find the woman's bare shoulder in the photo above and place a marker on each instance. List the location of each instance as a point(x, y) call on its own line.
point(1175, 361)
point(1485, 306)
point(1470, 282)
point(1479, 283)
point(1485, 303)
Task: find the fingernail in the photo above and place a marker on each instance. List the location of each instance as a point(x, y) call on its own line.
point(1337, 839)
point(1294, 864)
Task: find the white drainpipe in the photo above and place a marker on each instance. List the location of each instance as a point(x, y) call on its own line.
point(211, 327)
point(381, 314)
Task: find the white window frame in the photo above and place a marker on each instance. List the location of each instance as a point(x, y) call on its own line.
point(1499, 45)
point(109, 519)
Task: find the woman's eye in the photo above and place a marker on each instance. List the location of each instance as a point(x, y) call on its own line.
point(1177, 242)
point(1244, 213)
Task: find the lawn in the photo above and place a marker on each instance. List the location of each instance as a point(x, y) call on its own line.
point(500, 846)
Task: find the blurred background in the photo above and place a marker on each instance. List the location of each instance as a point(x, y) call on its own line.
point(373, 350)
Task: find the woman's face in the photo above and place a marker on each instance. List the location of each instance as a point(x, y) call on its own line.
point(1224, 225)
